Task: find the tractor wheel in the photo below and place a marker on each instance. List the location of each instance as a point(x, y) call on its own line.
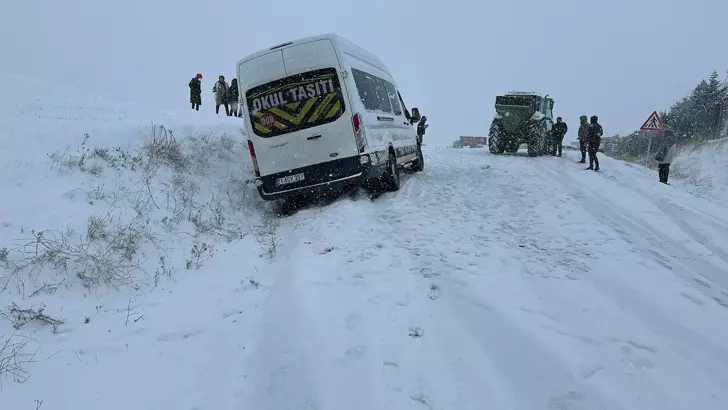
point(536, 139)
point(495, 142)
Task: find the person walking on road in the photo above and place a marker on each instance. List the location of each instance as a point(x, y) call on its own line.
point(583, 136)
point(221, 95)
point(560, 130)
point(232, 97)
point(665, 156)
point(594, 139)
point(196, 92)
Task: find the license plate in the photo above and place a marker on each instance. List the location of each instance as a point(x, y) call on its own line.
point(289, 179)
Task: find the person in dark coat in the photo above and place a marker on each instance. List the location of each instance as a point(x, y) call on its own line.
point(665, 155)
point(594, 139)
point(196, 92)
point(583, 136)
point(232, 96)
point(421, 127)
point(559, 131)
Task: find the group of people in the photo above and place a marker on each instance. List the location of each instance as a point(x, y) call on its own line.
point(226, 94)
point(590, 137)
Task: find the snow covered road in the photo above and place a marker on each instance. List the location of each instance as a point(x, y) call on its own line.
point(498, 282)
point(486, 282)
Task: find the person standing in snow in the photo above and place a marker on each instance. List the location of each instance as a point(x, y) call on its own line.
point(421, 128)
point(232, 97)
point(594, 139)
point(196, 92)
point(560, 130)
point(583, 136)
point(665, 156)
point(221, 91)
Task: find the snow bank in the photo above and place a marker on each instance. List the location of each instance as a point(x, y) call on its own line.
point(101, 195)
point(702, 169)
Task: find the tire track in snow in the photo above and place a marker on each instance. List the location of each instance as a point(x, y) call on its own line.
point(519, 197)
point(635, 231)
point(374, 333)
point(282, 374)
point(677, 213)
point(490, 358)
point(522, 360)
point(335, 332)
point(703, 351)
point(670, 209)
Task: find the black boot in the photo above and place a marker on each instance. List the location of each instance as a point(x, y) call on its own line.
point(217, 109)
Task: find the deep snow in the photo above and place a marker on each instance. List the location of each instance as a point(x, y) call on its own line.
point(704, 168)
point(499, 282)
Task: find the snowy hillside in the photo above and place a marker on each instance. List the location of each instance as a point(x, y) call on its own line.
point(152, 277)
point(703, 169)
point(100, 195)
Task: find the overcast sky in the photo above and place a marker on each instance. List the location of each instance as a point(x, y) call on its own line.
point(619, 59)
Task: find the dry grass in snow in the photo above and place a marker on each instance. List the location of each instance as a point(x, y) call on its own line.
point(166, 193)
point(137, 216)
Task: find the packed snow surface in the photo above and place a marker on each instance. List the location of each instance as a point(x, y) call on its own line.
point(485, 282)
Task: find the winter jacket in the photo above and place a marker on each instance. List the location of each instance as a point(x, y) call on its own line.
point(233, 93)
point(584, 132)
point(594, 135)
point(560, 130)
point(421, 128)
point(220, 89)
point(195, 91)
point(669, 151)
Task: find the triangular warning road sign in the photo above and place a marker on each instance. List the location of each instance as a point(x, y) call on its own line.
point(653, 123)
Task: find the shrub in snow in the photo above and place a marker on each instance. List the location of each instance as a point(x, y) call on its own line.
point(167, 200)
point(21, 317)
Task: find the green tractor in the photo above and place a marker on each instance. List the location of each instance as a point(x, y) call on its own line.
point(521, 118)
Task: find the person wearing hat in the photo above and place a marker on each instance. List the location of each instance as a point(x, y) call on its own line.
point(594, 139)
point(665, 155)
point(196, 92)
point(583, 136)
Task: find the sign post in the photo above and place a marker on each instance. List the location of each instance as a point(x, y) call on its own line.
point(653, 123)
